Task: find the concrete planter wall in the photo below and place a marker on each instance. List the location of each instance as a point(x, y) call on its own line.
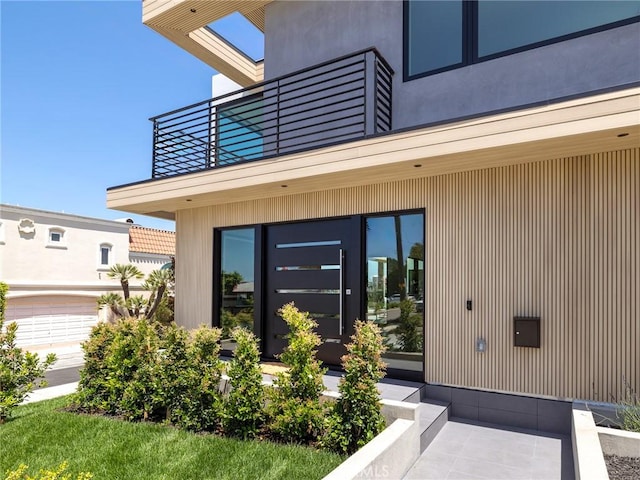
point(392, 452)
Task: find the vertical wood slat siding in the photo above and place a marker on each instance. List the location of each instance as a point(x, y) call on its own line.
point(556, 239)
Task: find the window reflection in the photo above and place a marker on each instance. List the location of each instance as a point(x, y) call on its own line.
point(395, 286)
point(237, 281)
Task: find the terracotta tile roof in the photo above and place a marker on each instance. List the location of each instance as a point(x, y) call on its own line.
point(150, 240)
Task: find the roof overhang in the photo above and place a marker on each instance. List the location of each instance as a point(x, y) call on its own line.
point(571, 128)
point(184, 23)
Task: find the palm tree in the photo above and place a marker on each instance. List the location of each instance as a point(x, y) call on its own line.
point(111, 300)
point(136, 304)
point(124, 273)
point(157, 283)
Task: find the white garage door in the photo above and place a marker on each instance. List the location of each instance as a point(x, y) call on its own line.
point(52, 319)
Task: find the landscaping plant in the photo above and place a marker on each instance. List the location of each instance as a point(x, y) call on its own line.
point(159, 284)
point(95, 386)
point(295, 411)
point(20, 371)
point(630, 411)
point(356, 416)
point(190, 379)
point(59, 473)
point(244, 405)
point(142, 370)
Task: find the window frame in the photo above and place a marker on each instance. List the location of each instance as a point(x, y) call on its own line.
point(470, 40)
point(62, 243)
point(216, 290)
point(413, 375)
point(109, 264)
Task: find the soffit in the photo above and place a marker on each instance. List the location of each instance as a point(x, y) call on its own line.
point(578, 127)
point(183, 22)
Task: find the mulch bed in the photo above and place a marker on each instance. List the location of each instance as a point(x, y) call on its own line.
point(622, 468)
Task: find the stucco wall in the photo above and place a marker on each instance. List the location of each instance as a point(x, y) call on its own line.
point(32, 259)
point(303, 33)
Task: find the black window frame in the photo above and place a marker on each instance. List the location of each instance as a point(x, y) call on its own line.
point(470, 40)
point(216, 290)
point(412, 375)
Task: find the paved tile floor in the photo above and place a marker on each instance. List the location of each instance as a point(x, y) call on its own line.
point(390, 389)
point(473, 450)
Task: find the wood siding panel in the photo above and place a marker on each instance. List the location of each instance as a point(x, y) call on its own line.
point(556, 239)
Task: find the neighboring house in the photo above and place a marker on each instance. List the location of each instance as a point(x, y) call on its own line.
point(151, 249)
point(471, 183)
point(56, 267)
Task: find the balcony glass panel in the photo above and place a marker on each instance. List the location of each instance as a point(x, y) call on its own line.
point(239, 128)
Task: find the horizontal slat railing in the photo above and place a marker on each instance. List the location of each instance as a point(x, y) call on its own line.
point(324, 104)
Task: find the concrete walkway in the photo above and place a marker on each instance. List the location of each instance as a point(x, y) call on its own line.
point(473, 450)
point(62, 378)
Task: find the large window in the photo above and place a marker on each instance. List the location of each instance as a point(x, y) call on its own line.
point(434, 32)
point(441, 35)
point(395, 286)
point(237, 268)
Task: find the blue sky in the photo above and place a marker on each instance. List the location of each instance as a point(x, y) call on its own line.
point(79, 81)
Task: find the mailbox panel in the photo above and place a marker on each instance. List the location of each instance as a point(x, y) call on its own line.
point(526, 332)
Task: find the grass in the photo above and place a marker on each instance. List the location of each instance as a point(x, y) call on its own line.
point(42, 436)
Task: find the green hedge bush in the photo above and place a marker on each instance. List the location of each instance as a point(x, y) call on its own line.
point(141, 370)
point(244, 405)
point(20, 371)
point(356, 415)
point(295, 411)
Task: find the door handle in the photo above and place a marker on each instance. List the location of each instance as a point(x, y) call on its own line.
point(341, 294)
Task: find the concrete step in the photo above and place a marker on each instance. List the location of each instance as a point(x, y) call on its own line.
point(433, 416)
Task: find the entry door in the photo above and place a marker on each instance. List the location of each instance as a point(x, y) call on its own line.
point(317, 266)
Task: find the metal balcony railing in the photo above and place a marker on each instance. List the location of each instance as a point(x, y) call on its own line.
point(338, 101)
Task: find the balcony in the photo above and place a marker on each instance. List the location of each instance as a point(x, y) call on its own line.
point(346, 99)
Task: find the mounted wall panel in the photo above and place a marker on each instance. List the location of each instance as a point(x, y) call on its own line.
point(556, 238)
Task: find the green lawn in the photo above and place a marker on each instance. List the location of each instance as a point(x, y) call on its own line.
point(42, 437)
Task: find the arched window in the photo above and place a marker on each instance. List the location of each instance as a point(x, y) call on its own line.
point(57, 237)
point(105, 255)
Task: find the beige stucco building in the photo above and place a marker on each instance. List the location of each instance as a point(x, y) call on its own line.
point(56, 266)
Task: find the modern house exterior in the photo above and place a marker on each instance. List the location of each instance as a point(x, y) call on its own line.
point(56, 267)
point(464, 173)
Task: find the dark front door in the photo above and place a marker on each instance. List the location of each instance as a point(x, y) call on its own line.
point(317, 266)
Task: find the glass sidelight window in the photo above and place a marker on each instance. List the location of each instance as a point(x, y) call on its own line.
point(395, 285)
point(237, 267)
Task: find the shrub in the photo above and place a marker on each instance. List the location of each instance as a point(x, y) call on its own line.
point(630, 411)
point(296, 413)
point(145, 371)
point(95, 386)
point(19, 371)
point(193, 376)
point(132, 364)
point(58, 473)
point(356, 416)
point(244, 405)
